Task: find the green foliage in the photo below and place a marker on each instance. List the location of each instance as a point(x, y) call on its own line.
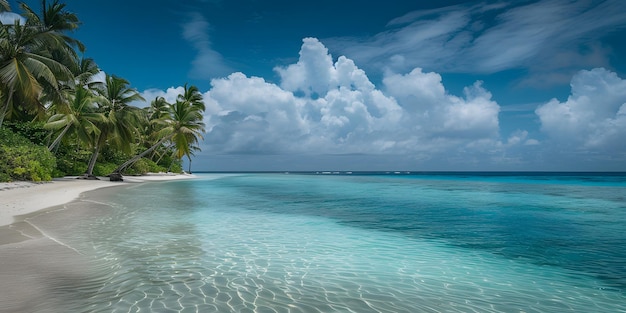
point(153, 167)
point(72, 159)
point(112, 155)
point(144, 166)
point(176, 167)
point(103, 169)
point(71, 165)
point(20, 159)
point(33, 131)
point(139, 168)
point(5, 177)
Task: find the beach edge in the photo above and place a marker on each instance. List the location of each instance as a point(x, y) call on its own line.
point(23, 198)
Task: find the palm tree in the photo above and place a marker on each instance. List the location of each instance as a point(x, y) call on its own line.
point(80, 115)
point(32, 55)
point(4, 6)
point(192, 150)
point(77, 105)
point(122, 120)
point(56, 22)
point(84, 71)
point(41, 38)
point(25, 66)
point(192, 96)
point(158, 109)
point(189, 127)
point(155, 113)
point(185, 144)
point(183, 126)
point(54, 18)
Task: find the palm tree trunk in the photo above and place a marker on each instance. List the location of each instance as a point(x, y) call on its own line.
point(94, 156)
point(92, 161)
point(189, 171)
point(58, 139)
point(130, 162)
point(161, 155)
point(3, 113)
point(5, 108)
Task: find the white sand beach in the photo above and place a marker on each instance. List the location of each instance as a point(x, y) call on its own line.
point(20, 198)
point(32, 261)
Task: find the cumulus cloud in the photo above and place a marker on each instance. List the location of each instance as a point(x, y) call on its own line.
point(169, 95)
point(441, 114)
point(550, 38)
point(8, 18)
point(594, 115)
point(208, 63)
point(326, 107)
point(520, 137)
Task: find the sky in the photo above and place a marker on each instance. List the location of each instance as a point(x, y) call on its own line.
point(380, 85)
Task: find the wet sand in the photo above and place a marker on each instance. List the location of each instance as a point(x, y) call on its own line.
point(33, 262)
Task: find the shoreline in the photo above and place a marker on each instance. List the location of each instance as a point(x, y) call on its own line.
point(33, 258)
point(22, 198)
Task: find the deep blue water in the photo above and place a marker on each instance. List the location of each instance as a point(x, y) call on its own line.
point(362, 242)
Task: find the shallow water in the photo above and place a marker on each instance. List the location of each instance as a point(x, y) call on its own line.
point(353, 243)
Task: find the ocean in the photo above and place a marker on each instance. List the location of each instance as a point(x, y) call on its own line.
point(352, 242)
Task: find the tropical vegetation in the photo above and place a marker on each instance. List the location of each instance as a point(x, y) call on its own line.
point(57, 117)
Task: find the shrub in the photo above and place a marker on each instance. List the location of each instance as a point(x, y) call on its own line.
point(33, 131)
point(71, 160)
point(176, 167)
point(67, 166)
point(20, 159)
point(139, 168)
point(155, 168)
point(103, 169)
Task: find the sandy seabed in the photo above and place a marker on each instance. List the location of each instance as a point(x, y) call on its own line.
point(32, 262)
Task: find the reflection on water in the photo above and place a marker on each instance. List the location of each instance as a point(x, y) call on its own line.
point(282, 244)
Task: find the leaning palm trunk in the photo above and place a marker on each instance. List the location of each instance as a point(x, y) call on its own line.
point(3, 113)
point(5, 108)
point(92, 161)
point(130, 162)
point(58, 139)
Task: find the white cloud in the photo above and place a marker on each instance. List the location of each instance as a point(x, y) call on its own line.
point(313, 73)
point(251, 115)
point(100, 77)
point(323, 107)
point(170, 94)
point(208, 63)
point(8, 18)
point(594, 115)
point(551, 38)
point(440, 114)
point(520, 137)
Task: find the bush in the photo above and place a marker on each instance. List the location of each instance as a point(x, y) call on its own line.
point(139, 168)
point(103, 169)
point(176, 167)
point(144, 166)
point(67, 166)
point(71, 160)
point(155, 168)
point(33, 131)
point(20, 159)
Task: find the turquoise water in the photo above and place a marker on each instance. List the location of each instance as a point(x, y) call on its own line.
point(358, 243)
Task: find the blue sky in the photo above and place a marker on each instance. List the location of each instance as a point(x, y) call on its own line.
point(393, 85)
